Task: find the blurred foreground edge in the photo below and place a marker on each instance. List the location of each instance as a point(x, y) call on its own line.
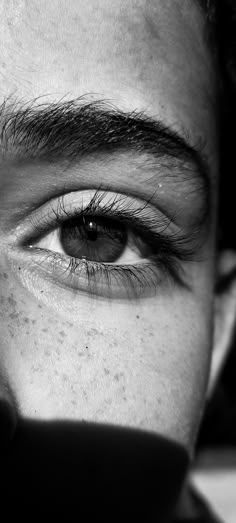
point(82, 468)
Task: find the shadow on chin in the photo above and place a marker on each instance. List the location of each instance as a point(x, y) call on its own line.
point(77, 469)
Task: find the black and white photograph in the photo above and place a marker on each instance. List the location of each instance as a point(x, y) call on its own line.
point(118, 261)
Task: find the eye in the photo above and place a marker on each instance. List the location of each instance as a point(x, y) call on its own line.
point(106, 244)
point(96, 239)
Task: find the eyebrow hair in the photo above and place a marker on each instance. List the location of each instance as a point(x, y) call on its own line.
point(71, 130)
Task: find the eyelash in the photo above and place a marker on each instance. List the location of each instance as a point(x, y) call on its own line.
point(137, 279)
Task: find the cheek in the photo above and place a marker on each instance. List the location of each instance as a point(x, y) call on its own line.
point(143, 366)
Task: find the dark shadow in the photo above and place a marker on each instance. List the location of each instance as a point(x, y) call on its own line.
point(79, 469)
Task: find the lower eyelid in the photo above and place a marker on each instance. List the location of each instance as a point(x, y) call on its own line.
point(119, 282)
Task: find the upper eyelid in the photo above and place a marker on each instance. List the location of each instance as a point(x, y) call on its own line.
point(154, 226)
point(57, 207)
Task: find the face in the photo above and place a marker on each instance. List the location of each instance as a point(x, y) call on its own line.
point(107, 223)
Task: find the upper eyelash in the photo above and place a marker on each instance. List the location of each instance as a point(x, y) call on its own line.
point(179, 245)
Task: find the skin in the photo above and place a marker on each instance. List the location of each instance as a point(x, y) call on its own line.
point(64, 354)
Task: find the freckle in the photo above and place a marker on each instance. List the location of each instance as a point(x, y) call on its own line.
point(92, 332)
point(62, 333)
point(26, 320)
point(116, 377)
point(45, 329)
point(106, 371)
point(5, 276)
point(19, 268)
point(86, 346)
point(12, 301)
point(14, 315)
point(41, 292)
point(39, 306)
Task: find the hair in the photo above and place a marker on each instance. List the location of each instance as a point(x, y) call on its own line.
point(218, 425)
point(222, 16)
point(220, 34)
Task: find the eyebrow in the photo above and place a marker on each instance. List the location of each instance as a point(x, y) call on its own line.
point(71, 130)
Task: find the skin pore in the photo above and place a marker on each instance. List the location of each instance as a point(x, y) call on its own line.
point(110, 358)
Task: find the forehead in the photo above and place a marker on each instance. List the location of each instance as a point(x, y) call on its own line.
point(145, 55)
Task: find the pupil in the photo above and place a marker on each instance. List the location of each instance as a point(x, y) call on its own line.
point(91, 230)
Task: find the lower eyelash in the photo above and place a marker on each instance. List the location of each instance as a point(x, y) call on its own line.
point(114, 281)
